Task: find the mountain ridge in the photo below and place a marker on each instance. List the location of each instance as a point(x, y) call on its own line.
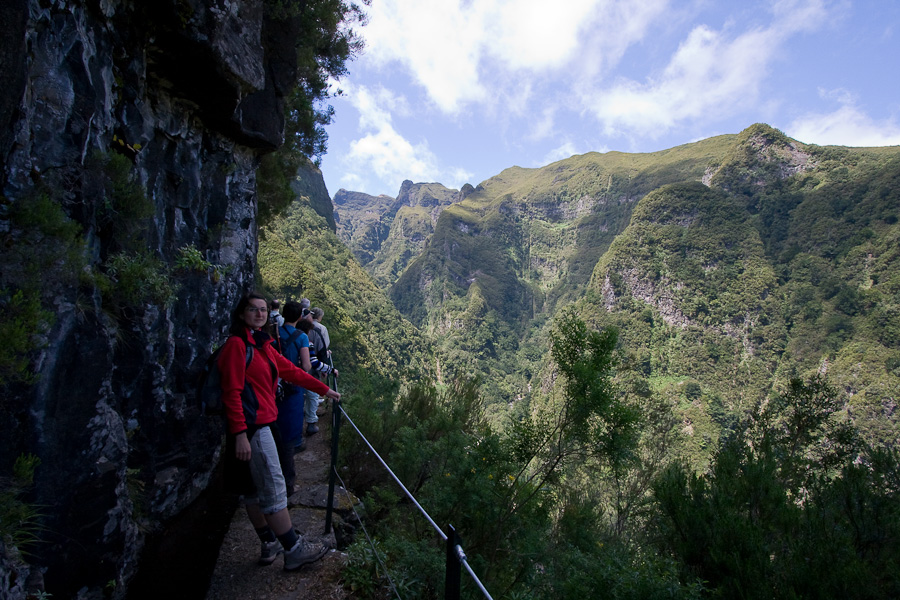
point(710, 237)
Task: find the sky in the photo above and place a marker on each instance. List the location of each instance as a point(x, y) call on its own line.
point(455, 91)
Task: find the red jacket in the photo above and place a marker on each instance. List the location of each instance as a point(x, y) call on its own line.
point(257, 405)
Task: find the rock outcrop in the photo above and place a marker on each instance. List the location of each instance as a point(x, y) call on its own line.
point(385, 233)
point(191, 93)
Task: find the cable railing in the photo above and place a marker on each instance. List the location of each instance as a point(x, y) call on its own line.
point(455, 556)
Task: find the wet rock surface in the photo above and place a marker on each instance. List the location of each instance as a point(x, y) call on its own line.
point(191, 93)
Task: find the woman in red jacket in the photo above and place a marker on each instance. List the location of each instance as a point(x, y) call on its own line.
point(249, 399)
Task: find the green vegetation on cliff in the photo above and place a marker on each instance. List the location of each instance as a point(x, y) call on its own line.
point(300, 256)
point(663, 375)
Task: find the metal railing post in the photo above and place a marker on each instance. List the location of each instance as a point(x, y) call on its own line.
point(332, 474)
point(453, 571)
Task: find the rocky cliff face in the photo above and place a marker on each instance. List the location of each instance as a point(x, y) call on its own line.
point(360, 223)
point(386, 233)
point(190, 92)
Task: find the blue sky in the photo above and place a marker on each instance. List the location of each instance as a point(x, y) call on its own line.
point(455, 91)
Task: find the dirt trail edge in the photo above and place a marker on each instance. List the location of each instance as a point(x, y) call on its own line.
point(237, 576)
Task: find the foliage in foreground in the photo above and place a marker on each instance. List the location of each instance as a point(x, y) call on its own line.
point(19, 519)
point(508, 493)
point(790, 508)
point(575, 501)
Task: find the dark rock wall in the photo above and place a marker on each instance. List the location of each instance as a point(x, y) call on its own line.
point(195, 88)
point(310, 184)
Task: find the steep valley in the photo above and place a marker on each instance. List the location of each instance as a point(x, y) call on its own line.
point(570, 363)
point(659, 375)
point(732, 263)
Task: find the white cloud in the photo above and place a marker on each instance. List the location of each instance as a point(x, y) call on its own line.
point(528, 35)
point(458, 178)
point(617, 26)
point(565, 151)
point(793, 16)
point(542, 127)
point(372, 106)
point(846, 126)
point(707, 76)
point(437, 41)
point(392, 158)
point(383, 151)
point(710, 76)
point(489, 51)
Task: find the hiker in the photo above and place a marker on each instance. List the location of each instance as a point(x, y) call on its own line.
point(295, 347)
point(252, 467)
point(317, 314)
point(274, 313)
point(318, 369)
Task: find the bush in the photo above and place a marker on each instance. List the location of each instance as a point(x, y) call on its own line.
point(138, 279)
point(19, 520)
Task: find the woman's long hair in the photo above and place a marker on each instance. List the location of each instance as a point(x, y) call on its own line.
point(238, 325)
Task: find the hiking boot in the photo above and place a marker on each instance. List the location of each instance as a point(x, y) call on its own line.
point(270, 551)
point(303, 553)
point(312, 428)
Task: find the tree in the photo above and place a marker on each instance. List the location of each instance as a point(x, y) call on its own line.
point(790, 508)
point(325, 43)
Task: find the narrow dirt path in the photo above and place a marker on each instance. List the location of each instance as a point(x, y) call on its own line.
point(237, 576)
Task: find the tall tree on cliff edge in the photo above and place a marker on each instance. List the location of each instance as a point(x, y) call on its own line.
point(326, 44)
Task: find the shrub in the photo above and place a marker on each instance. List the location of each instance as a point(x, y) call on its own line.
point(138, 279)
point(19, 520)
point(191, 259)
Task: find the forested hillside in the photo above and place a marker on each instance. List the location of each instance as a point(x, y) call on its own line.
point(729, 265)
point(300, 255)
point(665, 375)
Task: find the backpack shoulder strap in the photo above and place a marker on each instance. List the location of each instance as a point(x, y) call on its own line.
point(277, 339)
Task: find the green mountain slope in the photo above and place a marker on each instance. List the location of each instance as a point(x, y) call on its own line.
point(532, 236)
point(301, 256)
point(730, 264)
point(386, 233)
point(780, 269)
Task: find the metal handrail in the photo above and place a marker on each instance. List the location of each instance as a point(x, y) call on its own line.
point(455, 554)
point(392, 474)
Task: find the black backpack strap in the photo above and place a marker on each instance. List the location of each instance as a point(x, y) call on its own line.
point(293, 338)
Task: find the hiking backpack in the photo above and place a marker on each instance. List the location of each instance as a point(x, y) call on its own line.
point(317, 345)
point(284, 388)
point(209, 384)
point(293, 337)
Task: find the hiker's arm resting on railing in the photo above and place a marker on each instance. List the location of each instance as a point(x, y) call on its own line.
point(293, 374)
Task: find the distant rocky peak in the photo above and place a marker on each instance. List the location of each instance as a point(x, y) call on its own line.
point(427, 195)
point(762, 155)
point(466, 191)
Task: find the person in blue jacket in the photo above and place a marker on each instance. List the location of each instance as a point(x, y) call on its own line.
point(294, 346)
